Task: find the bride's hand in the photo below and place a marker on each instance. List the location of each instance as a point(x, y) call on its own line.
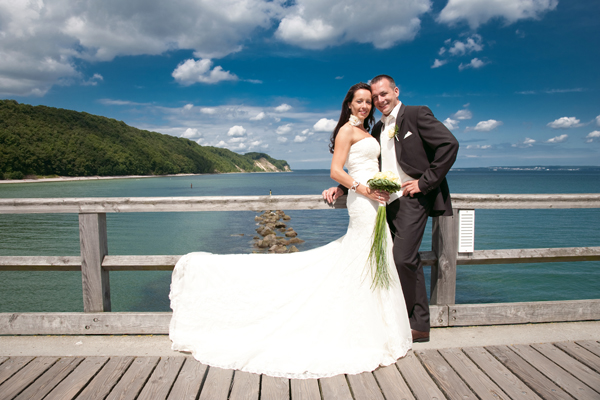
point(380, 196)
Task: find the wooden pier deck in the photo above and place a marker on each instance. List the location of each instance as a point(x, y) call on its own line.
point(561, 370)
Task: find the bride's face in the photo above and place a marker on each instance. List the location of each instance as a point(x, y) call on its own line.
point(361, 104)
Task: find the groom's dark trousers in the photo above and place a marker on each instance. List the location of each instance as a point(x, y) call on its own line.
point(425, 150)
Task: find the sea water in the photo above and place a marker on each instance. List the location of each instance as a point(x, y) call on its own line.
point(232, 232)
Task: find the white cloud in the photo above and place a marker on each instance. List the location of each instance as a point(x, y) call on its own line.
point(299, 139)
point(593, 136)
point(477, 12)
point(307, 132)
point(283, 129)
point(93, 81)
point(188, 107)
point(477, 146)
point(283, 108)
point(438, 63)
point(564, 123)
point(486, 126)
point(528, 142)
point(558, 139)
point(470, 45)
point(191, 133)
point(236, 130)
point(325, 125)
point(236, 140)
point(258, 117)
point(282, 139)
point(42, 42)
point(475, 63)
point(598, 120)
point(451, 123)
point(208, 110)
point(315, 24)
point(255, 143)
point(192, 71)
point(463, 114)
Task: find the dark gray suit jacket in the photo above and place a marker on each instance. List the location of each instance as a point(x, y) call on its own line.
point(427, 154)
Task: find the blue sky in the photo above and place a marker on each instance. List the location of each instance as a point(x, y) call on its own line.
point(516, 81)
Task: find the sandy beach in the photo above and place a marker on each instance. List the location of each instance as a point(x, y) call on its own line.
point(86, 178)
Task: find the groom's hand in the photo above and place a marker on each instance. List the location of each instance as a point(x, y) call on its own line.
point(410, 188)
point(332, 193)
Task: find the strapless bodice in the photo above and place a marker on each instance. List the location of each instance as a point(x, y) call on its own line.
point(362, 162)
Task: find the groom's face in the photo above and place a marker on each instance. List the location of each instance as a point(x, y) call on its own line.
point(384, 97)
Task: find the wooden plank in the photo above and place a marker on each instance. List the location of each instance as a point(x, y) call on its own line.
point(448, 380)
point(528, 374)
point(364, 387)
point(113, 323)
point(419, 382)
point(571, 365)
point(217, 384)
point(94, 246)
point(305, 389)
point(335, 388)
point(289, 202)
point(444, 243)
point(139, 263)
point(133, 380)
point(514, 256)
point(78, 379)
point(567, 382)
point(52, 377)
point(162, 379)
point(245, 386)
point(189, 381)
point(590, 345)
point(392, 384)
point(106, 379)
point(272, 388)
point(12, 366)
point(580, 354)
point(524, 201)
point(164, 204)
point(40, 263)
point(501, 375)
point(2, 359)
point(25, 376)
point(478, 382)
point(438, 315)
point(522, 313)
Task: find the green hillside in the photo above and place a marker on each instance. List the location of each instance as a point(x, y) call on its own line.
point(46, 141)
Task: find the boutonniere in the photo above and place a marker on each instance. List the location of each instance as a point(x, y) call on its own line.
point(393, 132)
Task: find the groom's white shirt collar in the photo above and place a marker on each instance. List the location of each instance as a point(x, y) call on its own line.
point(391, 118)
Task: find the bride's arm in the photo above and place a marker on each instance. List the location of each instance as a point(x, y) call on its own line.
point(343, 142)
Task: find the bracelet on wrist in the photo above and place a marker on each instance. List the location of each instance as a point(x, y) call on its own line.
point(354, 186)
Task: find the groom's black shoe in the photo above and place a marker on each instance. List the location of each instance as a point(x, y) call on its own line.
point(419, 336)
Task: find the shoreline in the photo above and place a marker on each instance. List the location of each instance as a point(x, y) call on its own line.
point(93, 178)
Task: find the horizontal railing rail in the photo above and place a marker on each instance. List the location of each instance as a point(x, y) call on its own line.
point(95, 263)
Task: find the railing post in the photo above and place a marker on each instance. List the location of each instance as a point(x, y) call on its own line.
point(94, 246)
point(444, 243)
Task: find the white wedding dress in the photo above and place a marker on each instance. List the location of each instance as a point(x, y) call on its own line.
point(301, 315)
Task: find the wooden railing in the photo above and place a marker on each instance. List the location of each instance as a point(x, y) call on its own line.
point(95, 263)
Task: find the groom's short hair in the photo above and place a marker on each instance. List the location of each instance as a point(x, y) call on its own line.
point(382, 77)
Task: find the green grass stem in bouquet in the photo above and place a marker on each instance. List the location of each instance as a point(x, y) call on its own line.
point(378, 257)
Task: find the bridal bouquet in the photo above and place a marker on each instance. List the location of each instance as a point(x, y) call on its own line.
point(377, 260)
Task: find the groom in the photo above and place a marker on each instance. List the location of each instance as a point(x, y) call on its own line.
point(420, 150)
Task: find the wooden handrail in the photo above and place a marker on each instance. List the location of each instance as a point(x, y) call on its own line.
point(95, 262)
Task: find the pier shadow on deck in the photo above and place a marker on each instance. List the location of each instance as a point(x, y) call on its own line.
point(561, 370)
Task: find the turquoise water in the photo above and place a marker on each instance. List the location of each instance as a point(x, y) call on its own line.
point(232, 232)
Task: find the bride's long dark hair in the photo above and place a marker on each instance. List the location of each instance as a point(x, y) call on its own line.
point(345, 114)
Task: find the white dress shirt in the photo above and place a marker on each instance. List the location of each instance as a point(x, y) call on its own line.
point(389, 161)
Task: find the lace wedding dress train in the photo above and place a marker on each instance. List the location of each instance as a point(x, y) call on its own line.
point(310, 314)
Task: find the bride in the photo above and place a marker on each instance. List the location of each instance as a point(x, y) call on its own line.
point(302, 315)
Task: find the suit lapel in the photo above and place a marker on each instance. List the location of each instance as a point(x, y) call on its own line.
point(399, 137)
